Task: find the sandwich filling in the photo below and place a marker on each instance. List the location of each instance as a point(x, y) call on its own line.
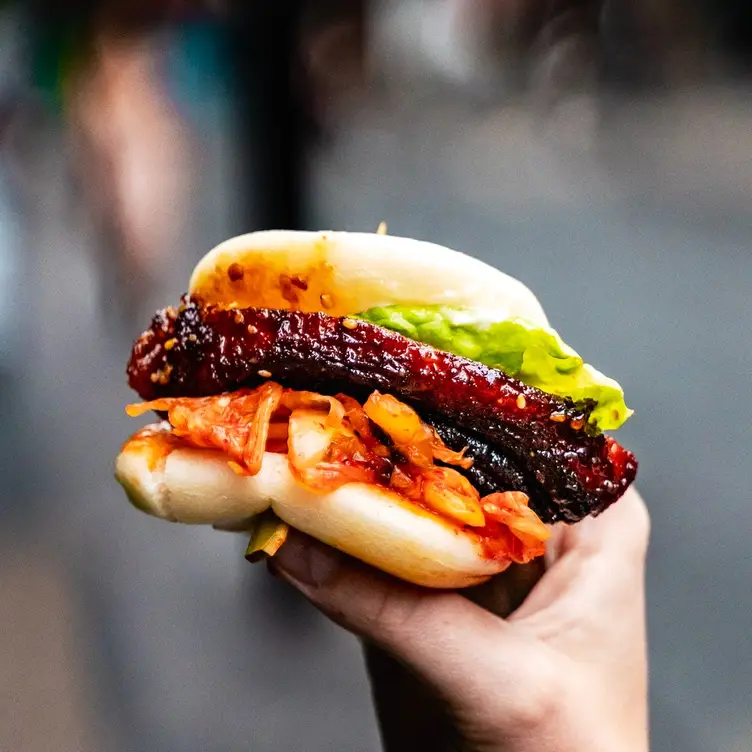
point(331, 441)
point(479, 423)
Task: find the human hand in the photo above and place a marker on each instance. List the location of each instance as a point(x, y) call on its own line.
point(566, 670)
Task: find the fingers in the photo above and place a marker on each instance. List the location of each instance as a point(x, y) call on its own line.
point(606, 553)
point(598, 565)
point(621, 531)
point(447, 640)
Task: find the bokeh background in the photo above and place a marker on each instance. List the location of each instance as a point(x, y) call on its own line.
point(600, 151)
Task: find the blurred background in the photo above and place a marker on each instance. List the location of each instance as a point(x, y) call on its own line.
point(600, 151)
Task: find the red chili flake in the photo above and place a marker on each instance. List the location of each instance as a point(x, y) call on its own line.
point(299, 282)
point(235, 272)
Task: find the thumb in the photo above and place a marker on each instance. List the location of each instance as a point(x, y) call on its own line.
point(459, 649)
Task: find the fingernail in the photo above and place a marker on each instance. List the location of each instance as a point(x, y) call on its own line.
point(308, 562)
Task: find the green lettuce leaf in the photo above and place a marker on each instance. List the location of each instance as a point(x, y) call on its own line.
point(535, 355)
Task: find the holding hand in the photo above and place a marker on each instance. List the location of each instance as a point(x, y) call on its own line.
point(566, 670)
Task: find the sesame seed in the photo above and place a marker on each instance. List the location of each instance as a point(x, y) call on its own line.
point(327, 301)
point(154, 377)
point(192, 337)
point(170, 344)
point(252, 329)
point(521, 402)
point(381, 229)
point(265, 374)
point(164, 376)
point(349, 323)
point(239, 318)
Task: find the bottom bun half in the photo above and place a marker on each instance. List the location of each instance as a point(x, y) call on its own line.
point(379, 527)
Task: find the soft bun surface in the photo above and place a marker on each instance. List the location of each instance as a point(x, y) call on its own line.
point(345, 273)
point(378, 527)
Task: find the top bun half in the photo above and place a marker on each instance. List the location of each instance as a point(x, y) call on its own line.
point(342, 273)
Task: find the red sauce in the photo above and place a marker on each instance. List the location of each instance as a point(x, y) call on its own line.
point(155, 444)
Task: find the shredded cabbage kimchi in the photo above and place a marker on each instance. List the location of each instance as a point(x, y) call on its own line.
point(331, 441)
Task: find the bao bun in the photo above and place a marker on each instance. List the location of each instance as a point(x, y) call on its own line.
point(379, 527)
point(339, 273)
point(354, 272)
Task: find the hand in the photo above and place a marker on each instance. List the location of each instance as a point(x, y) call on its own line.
point(565, 671)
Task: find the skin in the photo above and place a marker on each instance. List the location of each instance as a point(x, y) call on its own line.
point(565, 669)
